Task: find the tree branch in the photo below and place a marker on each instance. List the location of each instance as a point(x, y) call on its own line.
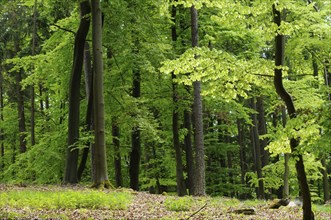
point(204, 206)
point(64, 29)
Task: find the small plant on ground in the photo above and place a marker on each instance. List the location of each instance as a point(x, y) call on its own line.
point(178, 203)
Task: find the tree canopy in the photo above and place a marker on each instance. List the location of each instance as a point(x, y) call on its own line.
point(149, 68)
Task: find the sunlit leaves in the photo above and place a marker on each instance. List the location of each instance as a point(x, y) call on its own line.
point(222, 73)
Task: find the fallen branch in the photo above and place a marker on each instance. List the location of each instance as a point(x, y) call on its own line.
point(245, 211)
point(204, 206)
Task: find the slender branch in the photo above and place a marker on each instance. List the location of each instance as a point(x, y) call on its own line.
point(315, 6)
point(271, 76)
point(204, 206)
point(64, 29)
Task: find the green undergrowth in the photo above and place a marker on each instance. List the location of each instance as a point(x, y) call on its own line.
point(67, 199)
point(178, 203)
point(322, 208)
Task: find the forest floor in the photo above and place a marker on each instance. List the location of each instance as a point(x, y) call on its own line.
point(141, 205)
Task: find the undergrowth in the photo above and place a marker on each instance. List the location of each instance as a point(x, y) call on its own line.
point(178, 203)
point(68, 199)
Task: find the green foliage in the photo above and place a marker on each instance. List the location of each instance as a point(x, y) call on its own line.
point(68, 199)
point(273, 175)
point(178, 204)
point(234, 64)
point(37, 169)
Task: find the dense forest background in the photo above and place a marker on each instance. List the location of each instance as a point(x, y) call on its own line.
point(190, 104)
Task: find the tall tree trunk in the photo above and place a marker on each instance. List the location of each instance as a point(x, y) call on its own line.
point(286, 189)
point(181, 188)
point(20, 103)
point(70, 175)
point(262, 128)
point(229, 166)
point(34, 38)
point(21, 112)
point(117, 152)
point(89, 112)
point(294, 142)
point(99, 157)
point(189, 151)
point(257, 152)
point(199, 177)
point(135, 154)
point(326, 185)
point(41, 103)
point(242, 152)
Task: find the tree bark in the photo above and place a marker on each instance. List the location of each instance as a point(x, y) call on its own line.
point(257, 152)
point(189, 151)
point(99, 160)
point(294, 142)
point(326, 185)
point(240, 140)
point(20, 103)
point(74, 95)
point(89, 112)
point(135, 154)
point(262, 128)
point(181, 188)
point(286, 188)
point(34, 38)
point(199, 177)
point(21, 113)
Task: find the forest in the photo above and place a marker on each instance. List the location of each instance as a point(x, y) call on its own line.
point(191, 97)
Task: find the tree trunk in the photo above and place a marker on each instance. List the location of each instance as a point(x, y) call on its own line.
point(199, 177)
point(230, 167)
point(181, 188)
point(89, 113)
point(21, 113)
point(257, 152)
point(20, 103)
point(74, 95)
point(286, 189)
point(241, 151)
point(99, 157)
point(135, 154)
point(34, 38)
point(117, 152)
point(294, 142)
point(262, 128)
point(189, 151)
point(326, 185)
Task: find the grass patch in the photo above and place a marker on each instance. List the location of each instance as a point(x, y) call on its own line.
point(322, 208)
point(67, 199)
point(178, 203)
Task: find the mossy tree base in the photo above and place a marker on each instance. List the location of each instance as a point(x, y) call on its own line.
point(103, 185)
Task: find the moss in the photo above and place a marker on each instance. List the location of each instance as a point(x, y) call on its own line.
point(103, 185)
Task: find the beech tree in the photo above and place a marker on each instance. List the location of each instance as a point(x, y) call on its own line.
point(99, 160)
point(154, 63)
point(74, 95)
point(199, 177)
point(294, 142)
